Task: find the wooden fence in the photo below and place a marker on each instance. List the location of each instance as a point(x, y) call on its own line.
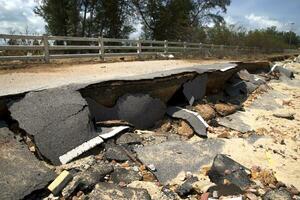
point(26, 47)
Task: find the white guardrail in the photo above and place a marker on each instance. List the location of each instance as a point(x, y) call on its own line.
point(27, 47)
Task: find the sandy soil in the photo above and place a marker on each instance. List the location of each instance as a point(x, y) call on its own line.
point(49, 76)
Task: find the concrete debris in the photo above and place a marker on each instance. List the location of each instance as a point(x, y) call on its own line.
point(152, 188)
point(109, 191)
point(286, 115)
point(141, 110)
point(59, 120)
point(193, 118)
point(206, 111)
point(129, 138)
point(124, 175)
point(170, 158)
point(195, 89)
point(225, 168)
point(106, 133)
point(277, 67)
point(21, 173)
point(60, 182)
point(277, 194)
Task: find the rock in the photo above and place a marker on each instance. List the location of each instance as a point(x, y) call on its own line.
point(59, 120)
point(225, 109)
point(116, 153)
point(152, 188)
point(225, 168)
point(228, 189)
point(202, 186)
point(286, 115)
point(204, 196)
point(251, 196)
point(185, 130)
point(170, 158)
point(141, 110)
point(87, 179)
point(266, 177)
point(195, 89)
point(187, 187)
point(21, 173)
point(166, 126)
point(193, 118)
point(109, 191)
point(206, 111)
point(152, 167)
point(278, 194)
point(124, 175)
point(129, 138)
point(95, 173)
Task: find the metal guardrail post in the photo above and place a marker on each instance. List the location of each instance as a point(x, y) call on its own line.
point(46, 48)
point(101, 48)
point(165, 46)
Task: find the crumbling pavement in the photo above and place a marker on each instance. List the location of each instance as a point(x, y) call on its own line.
point(99, 141)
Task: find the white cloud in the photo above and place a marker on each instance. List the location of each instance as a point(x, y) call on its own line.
point(263, 21)
point(17, 15)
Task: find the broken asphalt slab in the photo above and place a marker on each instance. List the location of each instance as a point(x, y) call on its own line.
point(171, 158)
point(58, 119)
point(21, 173)
point(194, 119)
point(224, 167)
point(235, 122)
point(195, 89)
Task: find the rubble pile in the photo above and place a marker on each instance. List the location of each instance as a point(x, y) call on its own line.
point(224, 144)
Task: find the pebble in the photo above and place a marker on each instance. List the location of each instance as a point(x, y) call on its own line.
point(152, 167)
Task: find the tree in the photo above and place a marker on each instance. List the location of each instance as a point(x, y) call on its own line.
point(86, 17)
point(178, 19)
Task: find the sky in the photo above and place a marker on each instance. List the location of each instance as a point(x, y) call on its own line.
point(16, 15)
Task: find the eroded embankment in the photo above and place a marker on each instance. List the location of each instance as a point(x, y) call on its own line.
point(54, 123)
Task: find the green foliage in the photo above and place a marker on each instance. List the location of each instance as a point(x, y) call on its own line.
point(86, 17)
point(178, 19)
